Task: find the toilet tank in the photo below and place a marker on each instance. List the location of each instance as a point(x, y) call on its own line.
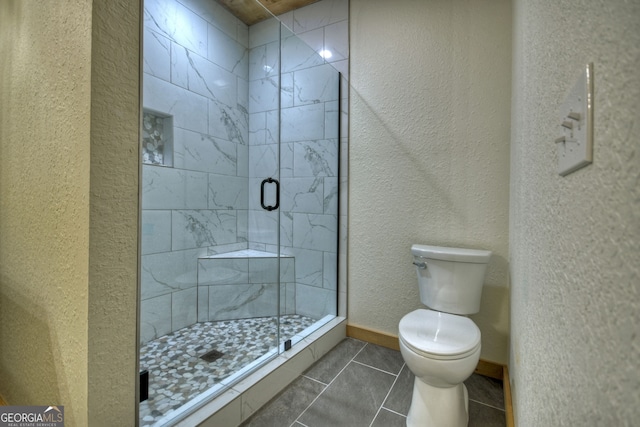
point(450, 279)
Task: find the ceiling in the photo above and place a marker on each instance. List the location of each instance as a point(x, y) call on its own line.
point(250, 12)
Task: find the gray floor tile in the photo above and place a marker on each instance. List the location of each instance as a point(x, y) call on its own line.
point(352, 399)
point(485, 390)
point(381, 357)
point(286, 407)
point(333, 362)
point(389, 419)
point(399, 400)
point(485, 416)
point(354, 396)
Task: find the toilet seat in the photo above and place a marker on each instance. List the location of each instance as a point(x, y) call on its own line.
point(439, 335)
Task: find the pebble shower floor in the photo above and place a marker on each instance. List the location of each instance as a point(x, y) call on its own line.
point(177, 373)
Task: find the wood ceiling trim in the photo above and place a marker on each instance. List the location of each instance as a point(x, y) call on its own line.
point(250, 12)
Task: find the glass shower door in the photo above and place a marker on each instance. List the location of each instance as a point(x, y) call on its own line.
point(239, 200)
point(210, 291)
point(309, 159)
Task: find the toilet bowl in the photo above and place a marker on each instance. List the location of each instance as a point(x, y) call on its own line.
point(440, 345)
point(441, 350)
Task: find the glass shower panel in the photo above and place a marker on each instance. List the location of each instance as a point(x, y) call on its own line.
point(309, 159)
point(239, 199)
point(210, 291)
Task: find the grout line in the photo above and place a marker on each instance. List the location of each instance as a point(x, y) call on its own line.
point(313, 379)
point(393, 412)
point(378, 369)
point(486, 404)
point(330, 382)
point(387, 396)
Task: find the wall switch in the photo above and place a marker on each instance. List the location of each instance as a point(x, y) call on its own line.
point(575, 133)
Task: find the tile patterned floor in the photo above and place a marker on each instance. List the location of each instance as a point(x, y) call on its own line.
point(177, 373)
point(361, 384)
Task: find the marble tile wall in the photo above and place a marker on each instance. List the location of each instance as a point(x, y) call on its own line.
point(219, 82)
point(321, 26)
point(309, 138)
point(245, 284)
point(195, 71)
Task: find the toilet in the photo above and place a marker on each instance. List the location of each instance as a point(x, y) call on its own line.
point(440, 345)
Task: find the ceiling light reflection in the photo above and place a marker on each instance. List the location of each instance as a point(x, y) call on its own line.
point(326, 54)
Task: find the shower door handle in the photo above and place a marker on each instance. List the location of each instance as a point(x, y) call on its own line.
point(270, 181)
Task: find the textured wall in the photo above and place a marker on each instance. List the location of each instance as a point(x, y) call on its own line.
point(44, 204)
point(68, 202)
point(575, 241)
point(429, 152)
point(113, 243)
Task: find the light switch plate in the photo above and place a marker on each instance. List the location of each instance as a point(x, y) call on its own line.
point(575, 145)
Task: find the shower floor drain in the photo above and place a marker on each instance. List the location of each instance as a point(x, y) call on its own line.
point(211, 356)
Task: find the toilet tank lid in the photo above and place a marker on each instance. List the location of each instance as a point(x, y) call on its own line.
point(476, 256)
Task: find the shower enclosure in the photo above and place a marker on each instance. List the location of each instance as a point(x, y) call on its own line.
point(240, 199)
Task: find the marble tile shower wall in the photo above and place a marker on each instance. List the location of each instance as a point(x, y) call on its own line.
point(195, 70)
point(307, 97)
point(218, 79)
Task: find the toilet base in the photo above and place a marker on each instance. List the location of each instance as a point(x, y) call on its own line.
point(438, 407)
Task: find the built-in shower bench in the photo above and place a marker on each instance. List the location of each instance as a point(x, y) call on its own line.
point(244, 284)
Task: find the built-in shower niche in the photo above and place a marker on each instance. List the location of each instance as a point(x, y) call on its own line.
point(244, 284)
point(157, 138)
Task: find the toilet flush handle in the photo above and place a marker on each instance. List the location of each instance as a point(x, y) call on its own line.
point(422, 265)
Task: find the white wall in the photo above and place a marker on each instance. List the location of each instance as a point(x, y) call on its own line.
point(575, 241)
point(429, 152)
